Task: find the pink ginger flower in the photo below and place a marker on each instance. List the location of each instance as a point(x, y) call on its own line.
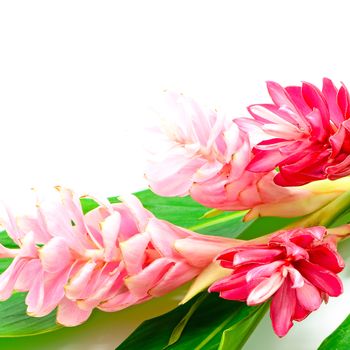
point(204, 153)
point(113, 257)
point(309, 133)
point(297, 269)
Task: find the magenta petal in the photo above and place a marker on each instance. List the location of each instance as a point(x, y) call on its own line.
point(326, 257)
point(239, 293)
point(300, 313)
point(320, 277)
point(230, 282)
point(256, 255)
point(282, 309)
point(330, 93)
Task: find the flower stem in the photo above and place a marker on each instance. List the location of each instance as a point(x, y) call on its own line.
point(339, 233)
point(327, 215)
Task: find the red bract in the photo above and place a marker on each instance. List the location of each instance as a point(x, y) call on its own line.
point(310, 130)
point(296, 268)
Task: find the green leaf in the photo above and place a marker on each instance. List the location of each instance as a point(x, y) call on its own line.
point(177, 331)
point(235, 337)
point(7, 241)
point(15, 321)
point(202, 330)
point(339, 339)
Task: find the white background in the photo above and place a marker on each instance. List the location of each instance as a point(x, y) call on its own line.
point(78, 78)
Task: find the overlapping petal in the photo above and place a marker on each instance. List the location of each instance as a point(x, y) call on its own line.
point(204, 153)
point(296, 268)
point(112, 257)
point(308, 133)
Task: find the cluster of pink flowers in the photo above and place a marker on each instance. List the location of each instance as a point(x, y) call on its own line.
point(205, 154)
point(112, 257)
point(120, 255)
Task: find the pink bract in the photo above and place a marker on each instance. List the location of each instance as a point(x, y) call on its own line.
point(308, 133)
point(113, 257)
point(204, 153)
point(297, 269)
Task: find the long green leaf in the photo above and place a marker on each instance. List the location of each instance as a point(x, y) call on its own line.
point(339, 339)
point(203, 330)
point(235, 337)
point(14, 320)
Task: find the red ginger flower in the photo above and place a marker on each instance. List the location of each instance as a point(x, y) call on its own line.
point(296, 268)
point(311, 133)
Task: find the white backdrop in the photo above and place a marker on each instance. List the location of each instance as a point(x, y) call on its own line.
point(78, 78)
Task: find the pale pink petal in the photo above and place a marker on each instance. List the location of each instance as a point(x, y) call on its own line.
point(265, 270)
point(295, 276)
point(121, 301)
point(55, 255)
point(70, 315)
point(177, 275)
point(59, 224)
point(26, 278)
point(51, 286)
point(110, 230)
point(163, 236)
point(199, 251)
point(265, 289)
point(9, 277)
point(133, 252)
point(8, 221)
point(31, 224)
point(108, 282)
point(77, 283)
point(73, 207)
point(149, 277)
point(36, 294)
point(141, 214)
